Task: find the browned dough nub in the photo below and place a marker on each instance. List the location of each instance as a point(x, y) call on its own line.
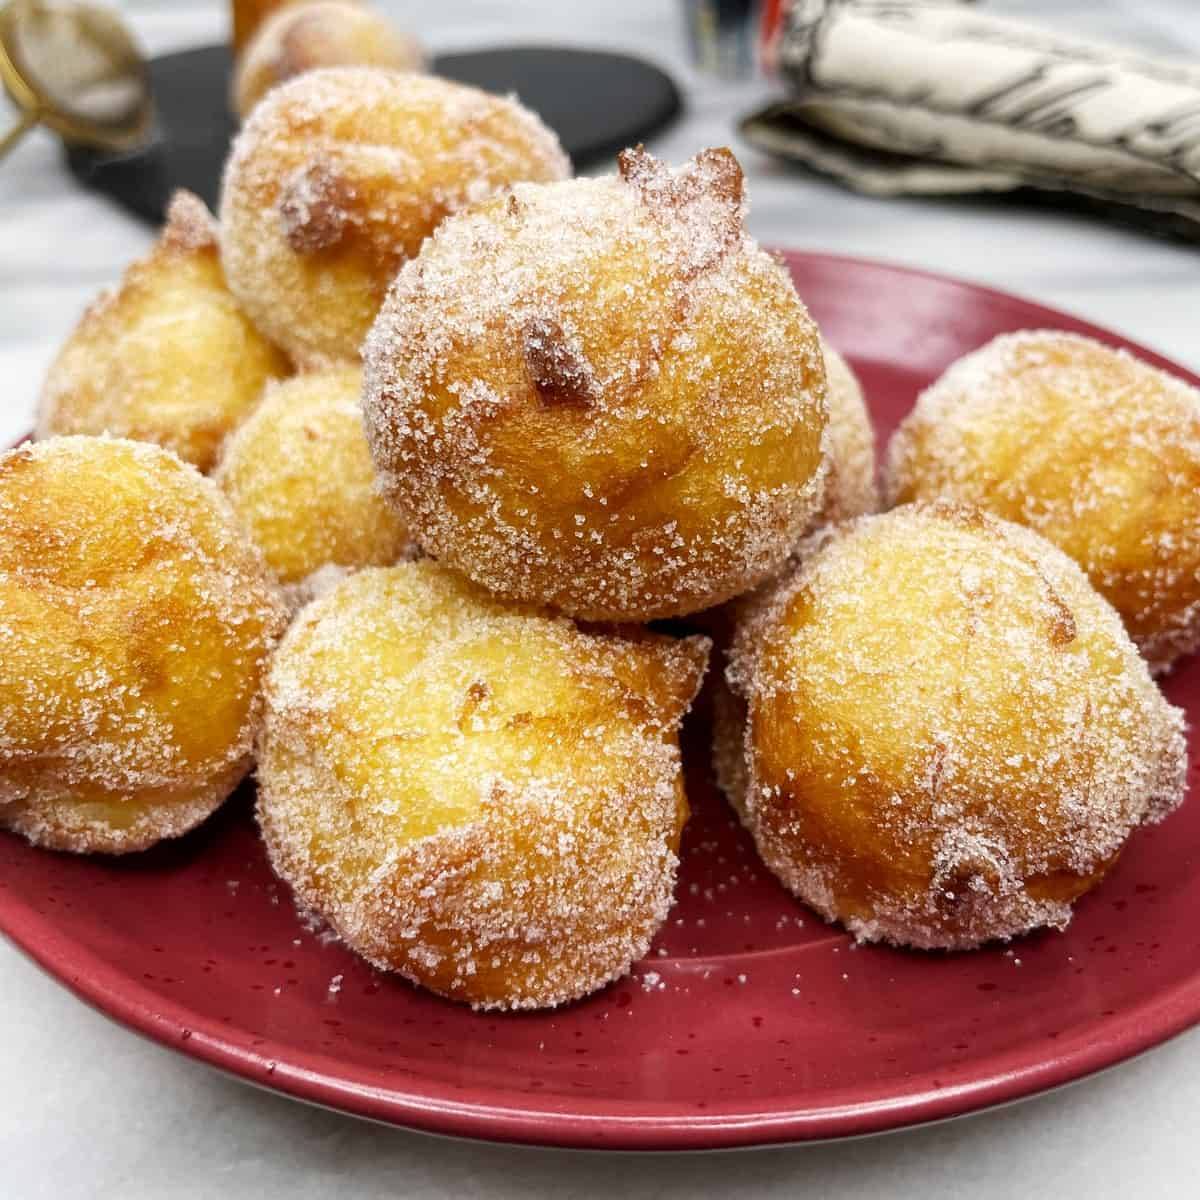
point(560, 375)
point(315, 207)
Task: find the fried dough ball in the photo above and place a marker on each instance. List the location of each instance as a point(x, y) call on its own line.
point(321, 33)
point(299, 477)
point(949, 735)
point(167, 357)
point(481, 797)
point(135, 625)
point(850, 491)
point(601, 395)
point(1094, 449)
point(850, 485)
point(337, 178)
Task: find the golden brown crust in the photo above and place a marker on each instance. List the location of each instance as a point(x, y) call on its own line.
point(167, 357)
point(714, 184)
point(851, 486)
point(483, 798)
point(851, 490)
point(190, 228)
point(337, 178)
point(299, 477)
point(594, 395)
point(134, 636)
point(946, 734)
point(1096, 450)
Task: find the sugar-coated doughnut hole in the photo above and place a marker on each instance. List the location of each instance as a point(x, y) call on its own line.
point(300, 478)
point(167, 357)
point(601, 394)
point(339, 175)
point(135, 625)
point(851, 490)
point(944, 734)
point(851, 486)
point(319, 33)
point(1095, 449)
point(482, 797)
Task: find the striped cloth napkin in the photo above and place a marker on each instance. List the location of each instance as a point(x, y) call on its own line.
point(925, 97)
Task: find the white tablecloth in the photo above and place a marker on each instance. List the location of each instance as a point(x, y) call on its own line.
point(88, 1110)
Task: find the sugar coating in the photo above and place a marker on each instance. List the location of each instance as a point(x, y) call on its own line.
point(166, 357)
point(1095, 449)
point(940, 734)
point(851, 490)
point(601, 395)
point(323, 579)
point(851, 486)
point(318, 33)
point(135, 625)
point(337, 178)
point(299, 476)
point(189, 225)
point(482, 797)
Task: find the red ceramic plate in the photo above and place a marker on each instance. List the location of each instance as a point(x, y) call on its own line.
point(750, 1022)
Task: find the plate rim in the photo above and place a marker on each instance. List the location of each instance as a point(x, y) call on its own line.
point(580, 1123)
point(1012, 1077)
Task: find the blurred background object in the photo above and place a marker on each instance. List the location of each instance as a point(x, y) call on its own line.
point(248, 15)
point(321, 33)
point(723, 35)
point(597, 101)
point(926, 97)
point(76, 69)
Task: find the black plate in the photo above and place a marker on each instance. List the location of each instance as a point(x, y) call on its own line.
point(596, 103)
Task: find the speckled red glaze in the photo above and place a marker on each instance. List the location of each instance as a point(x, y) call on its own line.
point(768, 1026)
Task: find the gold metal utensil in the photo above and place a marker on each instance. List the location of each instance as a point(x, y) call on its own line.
point(76, 69)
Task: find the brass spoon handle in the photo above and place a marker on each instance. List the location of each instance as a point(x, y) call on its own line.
point(26, 122)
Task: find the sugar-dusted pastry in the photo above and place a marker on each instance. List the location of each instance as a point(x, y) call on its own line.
point(167, 357)
point(851, 488)
point(484, 798)
point(319, 33)
point(601, 395)
point(338, 177)
point(944, 734)
point(1095, 449)
point(136, 621)
point(299, 477)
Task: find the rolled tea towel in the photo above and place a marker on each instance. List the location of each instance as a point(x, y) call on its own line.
point(928, 97)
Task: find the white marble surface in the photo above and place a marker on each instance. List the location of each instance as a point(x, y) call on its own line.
point(89, 1111)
